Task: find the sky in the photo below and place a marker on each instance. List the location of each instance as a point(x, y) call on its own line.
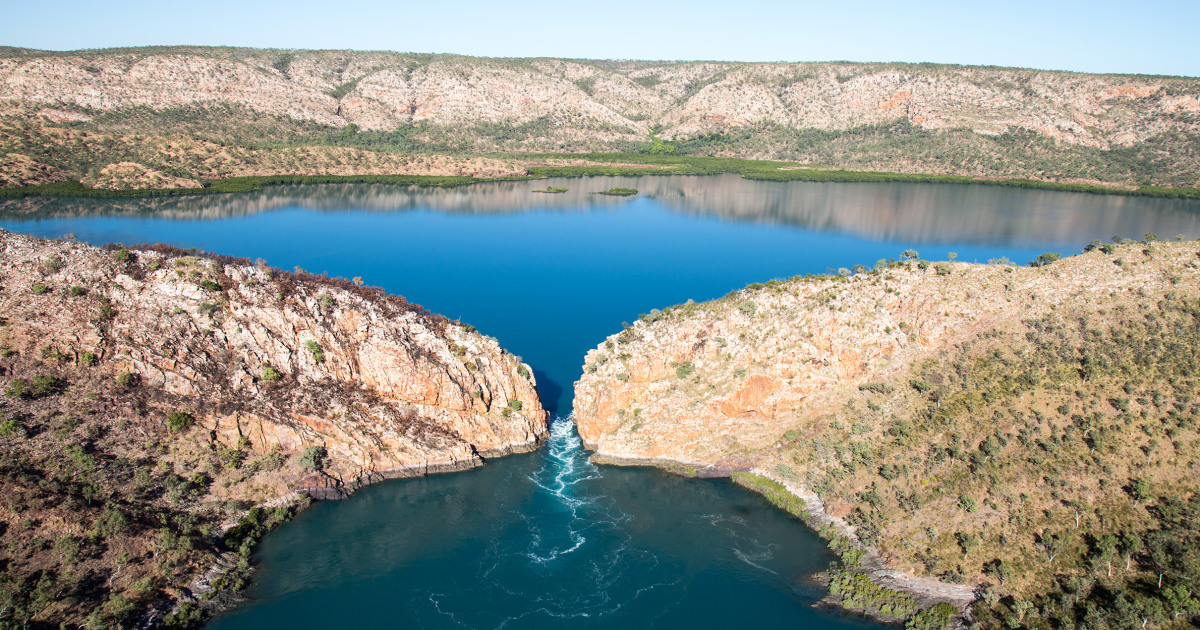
point(1153, 37)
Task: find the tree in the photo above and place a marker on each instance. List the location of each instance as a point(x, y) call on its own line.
point(1045, 259)
point(909, 254)
point(179, 421)
point(1107, 546)
point(1053, 544)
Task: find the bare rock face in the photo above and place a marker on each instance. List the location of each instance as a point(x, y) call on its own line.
point(714, 386)
point(602, 101)
point(283, 361)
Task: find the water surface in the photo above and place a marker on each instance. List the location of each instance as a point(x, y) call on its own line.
point(546, 540)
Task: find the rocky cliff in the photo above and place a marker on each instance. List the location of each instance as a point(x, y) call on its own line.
point(984, 424)
point(981, 121)
point(157, 390)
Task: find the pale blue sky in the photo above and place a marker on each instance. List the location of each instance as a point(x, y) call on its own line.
point(1149, 37)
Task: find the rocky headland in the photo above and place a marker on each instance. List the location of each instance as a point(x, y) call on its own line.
point(1014, 432)
point(155, 395)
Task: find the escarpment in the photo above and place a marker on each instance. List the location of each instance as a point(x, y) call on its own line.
point(168, 118)
point(281, 360)
point(1031, 431)
point(164, 409)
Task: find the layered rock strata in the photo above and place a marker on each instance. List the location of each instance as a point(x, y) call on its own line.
point(273, 359)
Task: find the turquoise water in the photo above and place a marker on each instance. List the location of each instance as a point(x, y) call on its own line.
point(546, 540)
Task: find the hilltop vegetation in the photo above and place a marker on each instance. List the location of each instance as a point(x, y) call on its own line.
point(1032, 431)
point(163, 409)
point(194, 113)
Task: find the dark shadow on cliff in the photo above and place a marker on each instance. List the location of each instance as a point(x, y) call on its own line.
point(549, 392)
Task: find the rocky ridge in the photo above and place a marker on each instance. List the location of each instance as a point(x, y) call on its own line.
point(163, 409)
point(386, 388)
point(950, 418)
point(954, 119)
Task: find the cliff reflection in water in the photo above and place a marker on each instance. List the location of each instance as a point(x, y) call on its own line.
point(876, 211)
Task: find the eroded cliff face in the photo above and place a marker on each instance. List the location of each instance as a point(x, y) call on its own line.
point(980, 424)
point(714, 384)
point(212, 109)
point(615, 100)
point(282, 360)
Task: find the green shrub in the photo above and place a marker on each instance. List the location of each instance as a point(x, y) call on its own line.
point(180, 421)
point(313, 459)
point(8, 426)
point(936, 618)
point(122, 255)
point(39, 288)
point(943, 269)
point(269, 461)
point(77, 291)
point(38, 386)
point(106, 309)
point(774, 492)
point(514, 404)
point(210, 285)
point(623, 377)
point(1045, 259)
point(128, 379)
point(271, 374)
point(522, 371)
point(315, 349)
point(325, 303)
point(111, 522)
point(685, 369)
point(88, 359)
point(52, 264)
point(878, 387)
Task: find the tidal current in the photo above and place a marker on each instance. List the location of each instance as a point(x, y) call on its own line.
point(547, 539)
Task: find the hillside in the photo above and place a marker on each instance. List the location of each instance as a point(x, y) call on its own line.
point(156, 399)
point(172, 116)
point(1029, 431)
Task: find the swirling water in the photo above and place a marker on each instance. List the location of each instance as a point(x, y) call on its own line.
point(547, 539)
point(543, 541)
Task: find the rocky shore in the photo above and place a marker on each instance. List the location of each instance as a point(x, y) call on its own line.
point(164, 408)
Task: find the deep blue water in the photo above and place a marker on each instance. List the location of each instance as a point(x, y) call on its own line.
point(547, 540)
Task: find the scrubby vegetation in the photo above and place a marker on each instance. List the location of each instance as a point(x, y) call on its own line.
point(108, 514)
point(1055, 463)
point(1044, 451)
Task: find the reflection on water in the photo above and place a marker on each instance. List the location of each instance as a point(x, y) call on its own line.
point(877, 211)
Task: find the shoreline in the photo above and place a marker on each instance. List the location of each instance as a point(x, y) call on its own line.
point(760, 170)
point(927, 592)
point(204, 590)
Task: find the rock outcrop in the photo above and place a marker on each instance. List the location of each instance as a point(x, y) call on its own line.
point(962, 421)
point(281, 360)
